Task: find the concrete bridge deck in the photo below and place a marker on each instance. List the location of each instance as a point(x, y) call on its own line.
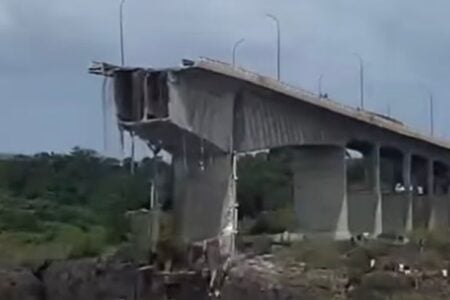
point(207, 111)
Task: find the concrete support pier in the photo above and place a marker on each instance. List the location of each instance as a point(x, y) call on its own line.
point(204, 197)
point(439, 218)
point(378, 223)
point(395, 198)
point(419, 178)
point(407, 169)
point(363, 192)
point(320, 191)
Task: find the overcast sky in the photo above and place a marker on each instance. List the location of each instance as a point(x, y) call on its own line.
point(48, 101)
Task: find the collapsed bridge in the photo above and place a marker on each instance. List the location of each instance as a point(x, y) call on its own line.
point(206, 112)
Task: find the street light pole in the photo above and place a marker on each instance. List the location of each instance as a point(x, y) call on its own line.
point(431, 108)
point(431, 113)
point(320, 85)
point(235, 46)
point(361, 79)
point(122, 55)
point(277, 22)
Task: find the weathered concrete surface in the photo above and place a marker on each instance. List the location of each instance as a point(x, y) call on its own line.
point(320, 191)
point(203, 106)
point(202, 193)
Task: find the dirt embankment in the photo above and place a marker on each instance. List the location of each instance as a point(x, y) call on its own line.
point(86, 279)
point(90, 279)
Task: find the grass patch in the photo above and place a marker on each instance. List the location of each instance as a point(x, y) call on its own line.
point(436, 240)
point(415, 296)
point(270, 222)
point(59, 241)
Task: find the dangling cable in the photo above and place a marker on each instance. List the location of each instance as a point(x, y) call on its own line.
point(235, 205)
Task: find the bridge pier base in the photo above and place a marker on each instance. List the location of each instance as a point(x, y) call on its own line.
point(320, 193)
point(378, 218)
point(439, 215)
point(439, 219)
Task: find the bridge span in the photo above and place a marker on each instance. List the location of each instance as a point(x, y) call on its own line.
point(206, 112)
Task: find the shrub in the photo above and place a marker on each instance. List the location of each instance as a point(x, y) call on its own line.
point(317, 253)
point(20, 220)
point(246, 225)
point(378, 248)
point(274, 222)
point(431, 259)
point(262, 245)
point(386, 282)
point(25, 248)
point(358, 259)
point(80, 243)
point(436, 240)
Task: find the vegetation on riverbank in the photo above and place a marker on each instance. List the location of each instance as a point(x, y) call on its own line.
point(73, 205)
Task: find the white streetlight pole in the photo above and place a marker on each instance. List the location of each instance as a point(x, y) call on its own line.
point(277, 23)
point(361, 79)
point(122, 54)
point(235, 46)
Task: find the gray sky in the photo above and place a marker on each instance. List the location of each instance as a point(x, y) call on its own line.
point(48, 102)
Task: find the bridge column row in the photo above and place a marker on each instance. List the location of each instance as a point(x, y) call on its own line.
point(326, 206)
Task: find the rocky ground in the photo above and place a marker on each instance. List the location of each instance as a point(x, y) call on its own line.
point(306, 271)
point(266, 277)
